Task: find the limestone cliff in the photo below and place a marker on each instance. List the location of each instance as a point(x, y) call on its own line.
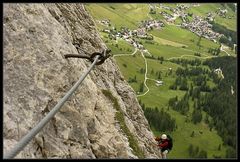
point(102, 119)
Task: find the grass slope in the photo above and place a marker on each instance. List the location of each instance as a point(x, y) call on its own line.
point(168, 42)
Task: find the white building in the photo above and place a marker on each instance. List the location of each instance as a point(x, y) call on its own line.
point(232, 90)
point(159, 83)
point(219, 72)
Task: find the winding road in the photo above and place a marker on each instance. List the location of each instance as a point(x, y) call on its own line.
point(145, 76)
point(117, 55)
point(191, 56)
point(146, 66)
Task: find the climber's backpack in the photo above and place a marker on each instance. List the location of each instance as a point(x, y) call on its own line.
point(170, 142)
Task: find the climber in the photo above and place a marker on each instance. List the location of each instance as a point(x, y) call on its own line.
point(164, 144)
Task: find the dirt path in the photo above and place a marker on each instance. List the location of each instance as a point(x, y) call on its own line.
point(145, 75)
point(146, 66)
point(126, 54)
point(190, 56)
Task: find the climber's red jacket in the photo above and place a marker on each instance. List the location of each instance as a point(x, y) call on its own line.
point(163, 144)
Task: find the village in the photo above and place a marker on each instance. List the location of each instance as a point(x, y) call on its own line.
point(202, 28)
point(130, 35)
point(198, 25)
point(177, 12)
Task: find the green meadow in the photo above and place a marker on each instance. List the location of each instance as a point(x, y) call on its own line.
point(185, 37)
point(130, 67)
point(169, 42)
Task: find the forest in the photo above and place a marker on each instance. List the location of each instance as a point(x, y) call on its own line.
point(219, 102)
point(158, 119)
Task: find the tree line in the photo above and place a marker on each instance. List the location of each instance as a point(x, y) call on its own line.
point(198, 75)
point(181, 105)
point(185, 62)
point(158, 119)
point(160, 58)
point(221, 103)
point(214, 51)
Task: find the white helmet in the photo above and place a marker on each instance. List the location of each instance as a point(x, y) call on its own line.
point(164, 136)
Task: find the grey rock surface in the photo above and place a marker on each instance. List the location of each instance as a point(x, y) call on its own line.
point(36, 76)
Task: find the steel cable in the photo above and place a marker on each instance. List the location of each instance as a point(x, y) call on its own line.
point(34, 131)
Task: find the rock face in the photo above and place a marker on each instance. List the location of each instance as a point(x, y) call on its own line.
point(36, 76)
